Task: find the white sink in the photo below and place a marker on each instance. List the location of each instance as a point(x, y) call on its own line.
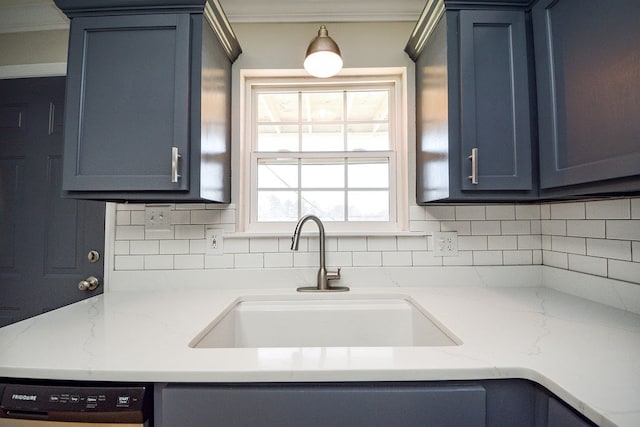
point(353, 321)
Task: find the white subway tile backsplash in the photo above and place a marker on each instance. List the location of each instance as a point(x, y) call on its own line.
point(530, 242)
point(574, 210)
point(501, 212)
point(189, 262)
point(586, 228)
point(121, 247)
point(635, 208)
point(502, 242)
point(267, 244)
point(609, 209)
point(470, 243)
point(473, 212)
point(218, 261)
point(396, 259)
point(158, 262)
point(555, 259)
point(587, 264)
point(487, 258)
point(339, 259)
point(206, 216)
point(174, 246)
point(424, 258)
point(137, 217)
point(123, 217)
point(440, 213)
point(573, 245)
point(599, 237)
point(554, 227)
point(189, 231)
point(416, 213)
point(197, 246)
point(523, 257)
point(352, 244)
point(248, 260)
point(462, 227)
point(181, 217)
point(130, 232)
point(623, 229)
point(412, 243)
point(236, 245)
point(624, 270)
point(605, 248)
point(545, 211)
point(144, 247)
point(128, 262)
point(485, 228)
point(531, 212)
point(515, 227)
point(367, 259)
point(379, 243)
point(463, 258)
point(278, 260)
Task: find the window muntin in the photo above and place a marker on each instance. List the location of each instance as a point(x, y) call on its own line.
point(326, 149)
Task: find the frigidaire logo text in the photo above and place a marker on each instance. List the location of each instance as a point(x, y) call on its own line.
point(32, 397)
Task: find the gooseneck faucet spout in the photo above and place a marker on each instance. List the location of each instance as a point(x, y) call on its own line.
point(324, 276)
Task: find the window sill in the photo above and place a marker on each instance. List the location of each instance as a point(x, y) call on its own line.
point(312, 232)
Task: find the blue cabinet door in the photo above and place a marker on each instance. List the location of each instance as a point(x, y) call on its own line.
point(495, 101)
point(587, 68)
point(128, 103)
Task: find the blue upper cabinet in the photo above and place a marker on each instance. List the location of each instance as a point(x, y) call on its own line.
point(588, 81)
point(148, 101)
point(473, 104)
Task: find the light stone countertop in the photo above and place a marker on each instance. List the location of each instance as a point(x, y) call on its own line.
point(586, 353)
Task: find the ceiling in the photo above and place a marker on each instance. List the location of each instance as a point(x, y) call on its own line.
point(33, 15)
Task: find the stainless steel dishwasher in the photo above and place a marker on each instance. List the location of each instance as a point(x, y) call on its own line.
point(74, 405)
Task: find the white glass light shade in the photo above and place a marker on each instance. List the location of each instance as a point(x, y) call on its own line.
point(323, 57)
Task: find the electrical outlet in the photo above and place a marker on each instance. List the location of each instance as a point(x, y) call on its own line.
point(214, 240)
point(445, 243)
point(157, 218)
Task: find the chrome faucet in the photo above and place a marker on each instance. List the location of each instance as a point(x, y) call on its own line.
point(324, 276)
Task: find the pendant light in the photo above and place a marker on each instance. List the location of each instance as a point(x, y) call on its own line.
point(323, 57)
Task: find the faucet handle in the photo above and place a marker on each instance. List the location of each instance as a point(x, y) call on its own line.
point(334, 275)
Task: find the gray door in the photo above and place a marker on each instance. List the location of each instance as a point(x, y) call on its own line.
point(44, 239)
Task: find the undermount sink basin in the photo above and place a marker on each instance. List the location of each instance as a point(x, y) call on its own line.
point(324, 322)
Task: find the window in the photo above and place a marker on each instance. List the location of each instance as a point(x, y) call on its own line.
point(333, 148)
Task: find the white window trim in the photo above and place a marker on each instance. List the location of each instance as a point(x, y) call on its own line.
point(255, 77)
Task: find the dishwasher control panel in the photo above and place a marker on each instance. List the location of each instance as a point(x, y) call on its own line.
point(74, 403)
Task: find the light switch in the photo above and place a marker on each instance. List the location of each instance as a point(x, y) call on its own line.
point(157, 218)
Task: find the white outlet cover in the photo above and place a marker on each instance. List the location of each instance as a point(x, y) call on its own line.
point(214, 241)
point(445, 243)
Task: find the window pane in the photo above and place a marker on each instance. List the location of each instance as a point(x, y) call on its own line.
point(277, 174)
point(322, 174)
point(369, 174)
point(368, 105)
point(321, 106)
point(278, 107)
point(368, 206)
point(277, 138)
point(277, 206)
point(368, 137)
point(322, 138)
point(327, 205)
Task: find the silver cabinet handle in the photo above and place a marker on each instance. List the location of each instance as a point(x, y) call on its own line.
point(474, 166)
point(175, 157)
